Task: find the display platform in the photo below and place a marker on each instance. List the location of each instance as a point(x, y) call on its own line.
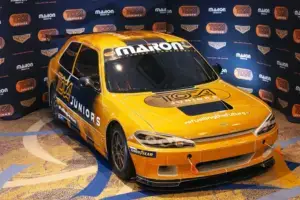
point(42, 159)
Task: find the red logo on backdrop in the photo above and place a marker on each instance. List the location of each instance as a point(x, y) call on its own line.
point(6, 110)
point(159, 27)
point(74, 14)
point(170, 28)
point(46, 32)
point(244, 74)
point(2, 43)
point(266, 95)
point(242, 11)
point(263, 31)
point(26, 85)
point(2, 60)
point(296, 110)
point(282, 84)
point(189, 11)
point(281, 13)
point(134, 27)
point(21, 19)
point(296, 35)
point(45, 97)
point(104, 28)
point(216, 28)
point(134, 11)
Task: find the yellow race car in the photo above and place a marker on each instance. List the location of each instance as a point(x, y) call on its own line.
point(154, 107)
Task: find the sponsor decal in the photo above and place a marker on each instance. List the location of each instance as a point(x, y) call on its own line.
point(6, 110)
point(297, 55)
point(170, 28)
point(282, 65)
point(282, 84)
point(263, 31)
point(74, 14)
point(263, 50)
point(283, 103)
point(148, 154)
point(248, 90)
point(243, 74)
point(242, 11)
point(216, 28)
point(66, 114)
point(281, 13)
point(64, 87)
point(21, 38)
point(18, 1)
point(217, 116)
point(26, 85)
point(185, 98)
point(21, 19)
point(134, 27)
point(163, 11)
point(242, 29)
point(104, 13)
point(217, 45)
point(75, 31)
point(296, 110)
point(27, 103)
point(24, 67)
point(3, 91)
point(159, 27)
point(189, 11)
point(297, 13)
point(2, 42)
point(217, 10)
point(296, 35)
point(134, 11)
point(189, 27)
point(104, 28)
point(46, 32)
point(224, 71)
point(243, 56)
point(264, 11)
point(281, 33)
point(48, 16)
point(264, 78)
point(49, 52)
point(45, 97)
point(2, 60)
point(266, 95)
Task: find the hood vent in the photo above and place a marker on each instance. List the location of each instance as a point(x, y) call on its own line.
point(200, 109)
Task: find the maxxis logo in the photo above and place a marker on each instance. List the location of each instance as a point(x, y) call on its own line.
point(216, 28)
point(2, 43)
point(74, 14)
point(134, 11)
point(104, 28)
point(242, 11)
point(6, 110)
point(296, 110)
point(189, 11)
point(281, 13)
point(26, 85)
point(159, 27)
point(3, 91)
point(42, 34)
point(282, 84)
point(243, 74)
point(263, 31)
point(24, 67)
point(266, 95)
point(296, 36)
point(21, 19)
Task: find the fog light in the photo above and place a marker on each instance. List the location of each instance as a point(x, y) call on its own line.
point(167, 171)
point(267, 152)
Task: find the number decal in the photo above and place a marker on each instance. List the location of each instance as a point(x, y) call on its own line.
point(64, 87)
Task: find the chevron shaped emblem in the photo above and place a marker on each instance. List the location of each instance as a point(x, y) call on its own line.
point(189, 27)
point(21, 38)
point(217, 45)
point(242, 29)
point(49, 52)
point(281, 33)
point(263, 50)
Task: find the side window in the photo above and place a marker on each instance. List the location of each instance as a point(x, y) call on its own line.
point(68, 58)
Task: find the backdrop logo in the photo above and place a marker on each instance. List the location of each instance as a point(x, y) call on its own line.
point(163, 11)
point(297, 55)
point(263, 31)
point(248, 90)
point(2, 43)
point(282, 65)
point(283, 103)
point(189, 11)
point(74, 14)
point(22, 19)
point(189, 27)
point(242, 11)
point(6, 110)
point(264, 11)
point(265, 78)
point(159, 26)
point(217, 45)
point(26, 85)
point(104, 28)
point(45, 97)
point(296, 110)
point(24, 67)
point(243, 74)
point(27, 103)
point(296, 35)
point(242, 29)
point(243, 56)
point(217, 10)
point(281, 33)
point(263, 50)
point(49, 52)
point(266, 95)
point(134, 11)
point(297, 13)
point(48, 16)
point(21, 38)
point(75, 31)
point(281, 13)
point(224, 71)
point(3, 91)
point(297, 88)
point(42, 34)
point(2, 60)
point(216, 28)
point(282, 84)
point(18, 1)
point(170, 28)
point(104, 13)
point(134, 27)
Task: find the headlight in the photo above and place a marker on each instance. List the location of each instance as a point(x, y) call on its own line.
point(162, 140)
point(267, 125)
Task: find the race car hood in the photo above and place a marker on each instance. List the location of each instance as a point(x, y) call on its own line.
point(205, 110)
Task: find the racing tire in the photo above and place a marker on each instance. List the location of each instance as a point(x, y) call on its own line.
point(53, 103)
point(119, 155)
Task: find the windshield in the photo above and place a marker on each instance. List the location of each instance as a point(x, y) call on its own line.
point(157, 71)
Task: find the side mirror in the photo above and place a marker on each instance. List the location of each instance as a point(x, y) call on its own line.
point(217, 67)
point(86, 82)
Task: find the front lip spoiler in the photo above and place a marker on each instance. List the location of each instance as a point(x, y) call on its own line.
point(204, 182)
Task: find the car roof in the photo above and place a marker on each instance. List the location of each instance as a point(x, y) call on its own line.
point(125, 38)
